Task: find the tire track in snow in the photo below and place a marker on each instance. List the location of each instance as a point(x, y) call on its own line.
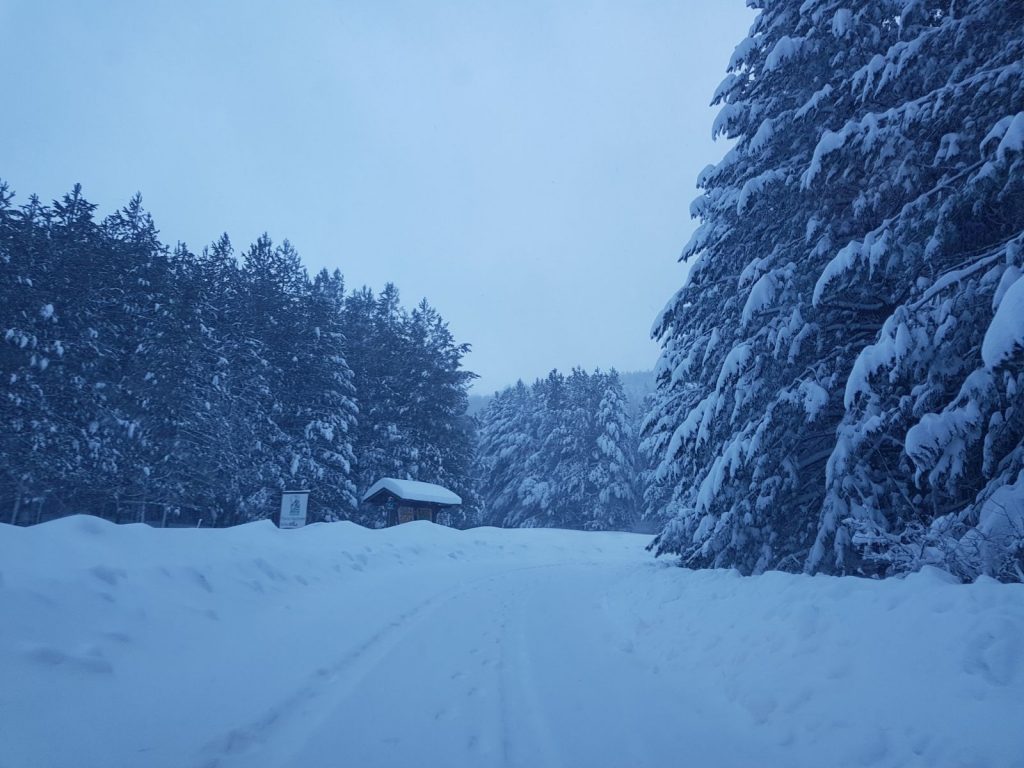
point(522, 681)
point(338, 681)
point(328, 688)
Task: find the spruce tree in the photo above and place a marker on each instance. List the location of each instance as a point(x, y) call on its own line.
point(613, 475)
point(505, 445)
point(870, 187)
point(559, 454)
point(928, 457)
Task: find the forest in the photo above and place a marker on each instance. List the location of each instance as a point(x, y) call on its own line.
point(152, 384)
point(148, 383)
point(838, 389)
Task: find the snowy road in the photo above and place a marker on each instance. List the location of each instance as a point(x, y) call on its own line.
point(526, 667)
point(419, 646)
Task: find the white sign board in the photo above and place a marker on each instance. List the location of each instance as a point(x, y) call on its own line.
point(293, 509)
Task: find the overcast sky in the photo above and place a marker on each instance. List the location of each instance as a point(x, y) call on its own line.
point(526, 166)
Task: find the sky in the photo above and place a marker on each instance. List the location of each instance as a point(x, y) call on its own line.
point(526, 166)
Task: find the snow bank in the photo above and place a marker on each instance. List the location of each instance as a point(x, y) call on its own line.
point(841, 671)
point(418, 645)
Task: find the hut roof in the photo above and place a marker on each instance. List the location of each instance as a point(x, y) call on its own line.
point(413, 490)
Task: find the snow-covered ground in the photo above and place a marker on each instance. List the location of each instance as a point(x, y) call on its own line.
point(422, 646)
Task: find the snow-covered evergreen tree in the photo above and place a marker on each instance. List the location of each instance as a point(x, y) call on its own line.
point(148, 383)
point(411, 391)
point(844, 273)
point(374, 351)
point(927, 465)
point(31, 337)
point(559, 454)
point(438, 400)
point(233, 428)
point(299, 325)
point(505, 443)
point(325, 400)
point(614, 473)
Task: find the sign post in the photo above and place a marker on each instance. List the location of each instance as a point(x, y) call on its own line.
point(293, 509)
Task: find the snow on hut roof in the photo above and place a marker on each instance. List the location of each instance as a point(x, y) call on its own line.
point(413, 490)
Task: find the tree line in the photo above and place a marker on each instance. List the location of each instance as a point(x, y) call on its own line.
point(148, 383)
point(152, 384)
point(561, 453)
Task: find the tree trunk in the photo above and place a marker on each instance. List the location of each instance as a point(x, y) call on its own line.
point(17, 505)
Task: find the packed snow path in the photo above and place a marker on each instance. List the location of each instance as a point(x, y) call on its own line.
point(420, 646)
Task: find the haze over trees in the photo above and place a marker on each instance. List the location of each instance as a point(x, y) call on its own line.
point(839, 388)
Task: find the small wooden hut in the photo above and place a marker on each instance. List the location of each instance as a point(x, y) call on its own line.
point(408, 500)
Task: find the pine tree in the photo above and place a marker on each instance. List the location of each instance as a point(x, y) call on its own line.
point(327, 401)
point(29, 342)
point(375, 348)
point(147, 362)
point(927, 465)
point(235, 423)
point(542, 499)
point(829, 233)
point(80, 281)
point(311, 393)
point(559, 454)
point(613, 474)
point(411, 391)
point(438, 397)
point(505, 445)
